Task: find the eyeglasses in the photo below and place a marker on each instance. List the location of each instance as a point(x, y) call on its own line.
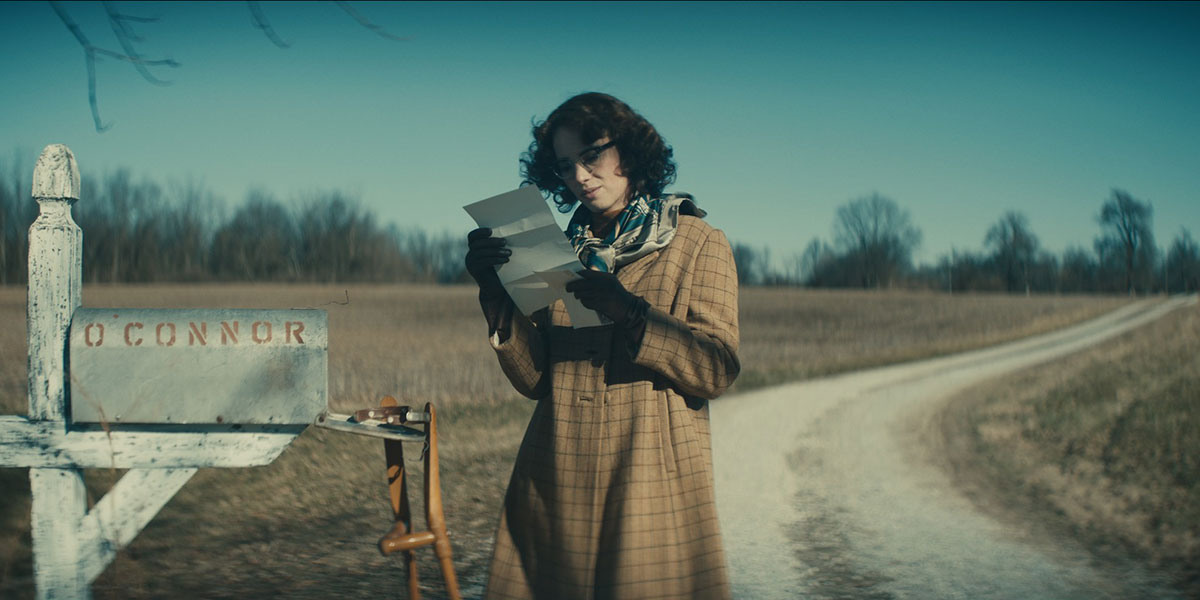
point(589, 158)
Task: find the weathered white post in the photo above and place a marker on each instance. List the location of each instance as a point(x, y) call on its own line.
point(55, 280)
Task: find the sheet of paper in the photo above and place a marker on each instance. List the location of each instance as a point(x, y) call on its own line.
point(581, 316)
point(542, 260)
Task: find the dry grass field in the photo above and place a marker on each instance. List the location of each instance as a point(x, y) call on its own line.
point(306, 525)
point(790, 334)
point(1104, 444)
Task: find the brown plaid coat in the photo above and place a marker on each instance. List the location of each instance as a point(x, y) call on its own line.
point(612, 492)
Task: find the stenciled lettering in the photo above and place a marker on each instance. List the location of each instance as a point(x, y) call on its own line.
point(166, 333)
point(158, 335)
point(128, 339)
point(293, 328)
point(254, 332)
point(87, 334)
point(200, 334)
point(228, 333)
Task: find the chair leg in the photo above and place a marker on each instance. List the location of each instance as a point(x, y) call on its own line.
point(442, 549)
point(435, 518)
point(398, 494)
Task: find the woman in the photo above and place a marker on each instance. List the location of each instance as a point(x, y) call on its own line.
point(612, 492)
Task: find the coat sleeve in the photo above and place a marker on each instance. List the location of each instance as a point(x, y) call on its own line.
point(698, 353)
point(523, 355)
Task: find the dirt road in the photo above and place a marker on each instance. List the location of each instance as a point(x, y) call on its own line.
point(826, 489)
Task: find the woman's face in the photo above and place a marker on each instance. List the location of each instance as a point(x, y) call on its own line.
point(594, 178)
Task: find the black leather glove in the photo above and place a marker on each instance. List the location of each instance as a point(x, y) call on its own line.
point(603, 293)
point(484, 254)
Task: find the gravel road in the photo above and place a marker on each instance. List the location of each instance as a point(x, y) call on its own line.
point(825, 488)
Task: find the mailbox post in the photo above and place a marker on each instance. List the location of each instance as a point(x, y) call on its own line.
point(55, 282)
point(159, 392)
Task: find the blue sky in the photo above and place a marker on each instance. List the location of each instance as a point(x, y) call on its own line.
point(778, 112)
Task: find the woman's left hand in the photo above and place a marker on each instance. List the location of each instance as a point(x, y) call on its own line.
point(603, 293)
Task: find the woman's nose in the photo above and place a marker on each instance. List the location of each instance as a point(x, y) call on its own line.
point(581, 173)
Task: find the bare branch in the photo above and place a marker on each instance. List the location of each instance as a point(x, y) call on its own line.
point(89, 56)
point(136, 60)
point(119, 21)
point(365, 23)
point(90, 52)
point(137, 19)
point(71, 26)
point(91, 74)
point(260, 21)
point(88, 47)
point(126, 37)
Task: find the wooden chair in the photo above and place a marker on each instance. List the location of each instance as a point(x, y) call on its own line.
point(390, 422)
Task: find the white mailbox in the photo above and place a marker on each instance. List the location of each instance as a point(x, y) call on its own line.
point(224, 366)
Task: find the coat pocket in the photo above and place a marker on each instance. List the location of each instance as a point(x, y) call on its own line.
point(666, 440)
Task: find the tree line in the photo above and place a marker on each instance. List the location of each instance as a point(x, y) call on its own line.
point(874, 238)
point(140, 231)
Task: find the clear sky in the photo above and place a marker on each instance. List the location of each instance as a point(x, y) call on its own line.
point(777, 112)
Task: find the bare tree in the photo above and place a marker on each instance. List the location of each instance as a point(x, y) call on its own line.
point(121, 221)
point(1044, 272)
point(1079, 271)
point(433, 257)
point(1014, 249)
point(338, 238)
point(1183, 264)
point(1125, 223)
point(877, 237)
point(17, 211)
point(806, 262)
point(258, 243)
point(749, 263)
point(189, 222)
point(969, 271)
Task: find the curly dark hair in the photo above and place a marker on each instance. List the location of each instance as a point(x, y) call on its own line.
point(645, 157)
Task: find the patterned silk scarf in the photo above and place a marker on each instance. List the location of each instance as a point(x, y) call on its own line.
point(643, 227)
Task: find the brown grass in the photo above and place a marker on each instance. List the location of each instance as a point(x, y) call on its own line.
point(1104, 444)
point(306, 525)
point(790, 334)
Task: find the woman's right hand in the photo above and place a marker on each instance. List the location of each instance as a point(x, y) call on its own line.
point(484, 254)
